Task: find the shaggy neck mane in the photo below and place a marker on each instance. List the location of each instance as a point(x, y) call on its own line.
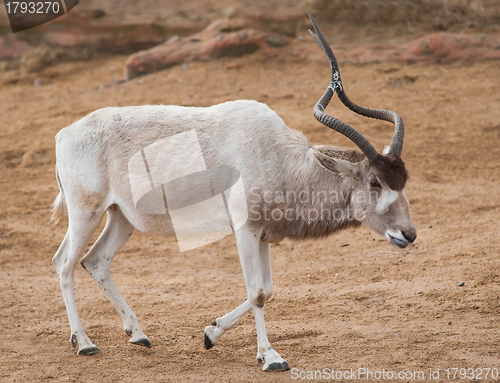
point(313, 202)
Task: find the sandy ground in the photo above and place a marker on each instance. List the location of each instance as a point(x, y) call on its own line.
point(349, 301)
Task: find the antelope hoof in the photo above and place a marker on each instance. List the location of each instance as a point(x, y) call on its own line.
point(212, 335)
point(276, 366)
point(208, 342)
point(141, 341)
point(88, 350)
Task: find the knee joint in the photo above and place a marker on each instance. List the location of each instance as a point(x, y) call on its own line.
point(259, 296)
point(95, 267)
point(88, 265)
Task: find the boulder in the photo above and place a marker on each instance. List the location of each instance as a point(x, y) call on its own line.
point(442, 48)
point(13, 47)
point(450, 47)
point(222, 38)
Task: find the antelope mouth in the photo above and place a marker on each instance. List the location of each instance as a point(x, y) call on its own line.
point(397, 242)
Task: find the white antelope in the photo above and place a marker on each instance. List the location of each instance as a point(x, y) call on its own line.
point(275, 165)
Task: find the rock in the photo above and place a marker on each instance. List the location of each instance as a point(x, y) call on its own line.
point(223, 26)
point(92, 30)
point(38, 157)
point(212, 42)
point(173, 39)
point(276, 41)
point(440, 14)
point(98, 14)
point(44, 56)
point(281, 22)
point(442, 48)
point(12, 46)
point(229, 12)
point(451, 47)
point(233, 66)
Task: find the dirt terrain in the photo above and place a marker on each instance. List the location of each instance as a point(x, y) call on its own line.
point(349, 301)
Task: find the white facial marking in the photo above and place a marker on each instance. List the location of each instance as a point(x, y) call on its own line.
point(387, 198)
point(406, 198)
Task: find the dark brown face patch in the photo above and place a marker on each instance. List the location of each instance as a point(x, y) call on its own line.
point(391, 169)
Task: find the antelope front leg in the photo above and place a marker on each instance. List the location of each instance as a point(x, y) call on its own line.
point(256, 266)
point(221, 325)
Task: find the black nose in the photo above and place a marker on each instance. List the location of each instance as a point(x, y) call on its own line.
point(410, 235)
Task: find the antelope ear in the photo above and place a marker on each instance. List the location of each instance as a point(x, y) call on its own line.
point(336, 165)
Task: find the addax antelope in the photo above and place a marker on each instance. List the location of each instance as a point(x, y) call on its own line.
point(148, 167)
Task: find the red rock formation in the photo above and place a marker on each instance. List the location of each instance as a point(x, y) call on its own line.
point(222, 38)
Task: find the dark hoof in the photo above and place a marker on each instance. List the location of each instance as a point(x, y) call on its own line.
point(260, 360)
point(278, 367)
point(142, 342)
point(88, 351)
point(208, 343)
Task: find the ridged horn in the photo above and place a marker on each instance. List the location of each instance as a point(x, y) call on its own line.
point(335, 85)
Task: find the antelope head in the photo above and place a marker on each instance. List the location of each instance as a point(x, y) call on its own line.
point(378, 195)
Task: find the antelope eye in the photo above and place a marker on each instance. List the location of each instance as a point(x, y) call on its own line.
point(375, 184)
